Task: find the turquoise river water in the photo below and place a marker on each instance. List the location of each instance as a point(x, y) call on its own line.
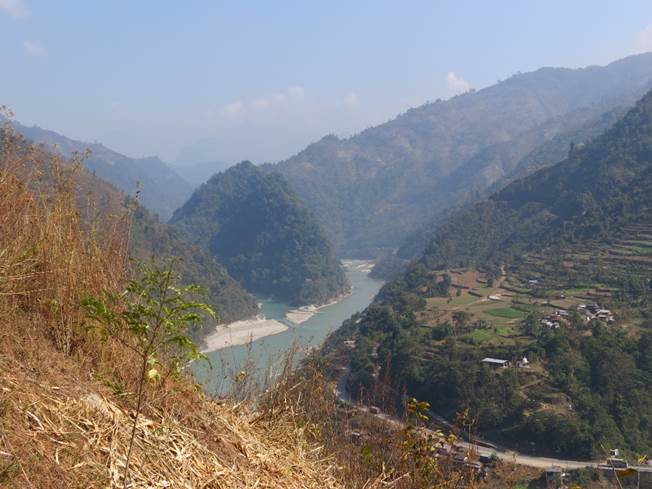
point(264, 357)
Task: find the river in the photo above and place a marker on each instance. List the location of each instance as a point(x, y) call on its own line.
point(262, 359)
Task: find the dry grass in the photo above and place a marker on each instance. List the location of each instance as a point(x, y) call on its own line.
point(48, 259)
point(66, 396)
point(74, 433)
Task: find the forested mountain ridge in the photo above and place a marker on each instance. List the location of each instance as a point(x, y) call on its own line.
point(257, 226)
point(468, 184)
point(153, 238)
point(160, 188)
point(371, 189)
point(600, 187)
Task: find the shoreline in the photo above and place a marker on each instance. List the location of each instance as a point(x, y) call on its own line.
point(304, 313)
point(242, 332)
point(248, 330)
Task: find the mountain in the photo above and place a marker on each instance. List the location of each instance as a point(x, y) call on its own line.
point(598, 189)
point(372, 189)
point(472, 182)
point(150, 238)
point(554, 269)
point(198, 173)
point(159, 187)
point(257, 226)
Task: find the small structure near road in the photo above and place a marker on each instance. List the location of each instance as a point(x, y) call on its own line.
point(496, 362)
point(556, 477)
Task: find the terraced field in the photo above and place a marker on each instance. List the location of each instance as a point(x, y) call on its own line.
point(489, 319)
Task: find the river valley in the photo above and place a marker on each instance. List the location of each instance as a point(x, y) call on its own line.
point(263, 357)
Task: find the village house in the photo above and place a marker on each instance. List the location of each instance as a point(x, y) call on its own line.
point(496, 362)
point(556, 320)
point(594, 311)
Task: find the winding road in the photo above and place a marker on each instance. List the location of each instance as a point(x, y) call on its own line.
point(481, 447)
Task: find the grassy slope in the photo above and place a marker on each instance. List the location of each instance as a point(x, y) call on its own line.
point(66, 395)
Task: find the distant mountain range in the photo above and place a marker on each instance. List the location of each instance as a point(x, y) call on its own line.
point(160, 188)
point(371, 190)
point(268, 240)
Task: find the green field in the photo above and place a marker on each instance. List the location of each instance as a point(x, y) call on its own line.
point(507, 313)
point(481, 335)
point(504, 330)
point(642, 250)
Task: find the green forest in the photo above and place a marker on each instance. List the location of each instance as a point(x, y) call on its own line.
point(152, 238)
point(255, 225)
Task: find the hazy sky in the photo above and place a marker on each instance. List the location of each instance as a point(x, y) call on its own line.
point(261, 79)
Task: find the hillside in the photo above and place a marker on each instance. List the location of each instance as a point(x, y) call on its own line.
point(469, 183)
point(555, 268)
point(263, 234)
point(372, 189)
point(68, 391)
point(160, 188)
point(151, 238)
point(599, 188)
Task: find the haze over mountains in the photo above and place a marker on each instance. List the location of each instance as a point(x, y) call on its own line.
point(372, 189)
point(160, 188)
point(198, 173)
point(390, 185)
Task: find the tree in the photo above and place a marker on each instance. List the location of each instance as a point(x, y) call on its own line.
point(151, 317)
point(461, 318)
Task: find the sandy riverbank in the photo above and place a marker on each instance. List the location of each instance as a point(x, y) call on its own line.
point(242, 332)
point(365, 266)
point(303, 313)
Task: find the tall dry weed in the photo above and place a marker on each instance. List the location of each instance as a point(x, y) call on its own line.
point(49, 257)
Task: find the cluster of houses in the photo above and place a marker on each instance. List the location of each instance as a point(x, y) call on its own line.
point(556, 320)
point(588, 312)
point(594, 311)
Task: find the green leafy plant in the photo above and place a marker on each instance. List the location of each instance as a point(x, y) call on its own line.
point(152, 317)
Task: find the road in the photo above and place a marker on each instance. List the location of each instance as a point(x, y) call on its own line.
point(480, 446)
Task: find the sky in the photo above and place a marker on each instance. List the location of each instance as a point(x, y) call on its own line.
point(196, 80)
